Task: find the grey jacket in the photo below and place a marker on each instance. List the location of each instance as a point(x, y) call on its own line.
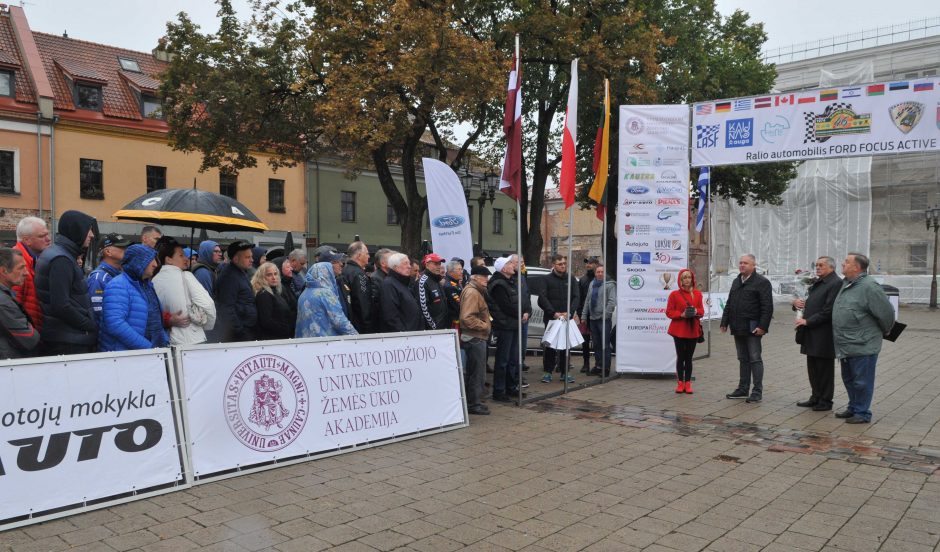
point(18, 337)
point(589, 313)
point(861, 316)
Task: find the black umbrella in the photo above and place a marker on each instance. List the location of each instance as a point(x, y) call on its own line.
point(289, 243)
point(193, 209)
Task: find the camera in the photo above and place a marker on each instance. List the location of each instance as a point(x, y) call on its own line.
point(689, 312)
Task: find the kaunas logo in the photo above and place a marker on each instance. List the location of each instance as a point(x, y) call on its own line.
point(267, 403)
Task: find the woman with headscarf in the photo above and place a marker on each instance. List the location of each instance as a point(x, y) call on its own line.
point(319, 312)
point(276, 311)
point(181, 293)
point(685, 307)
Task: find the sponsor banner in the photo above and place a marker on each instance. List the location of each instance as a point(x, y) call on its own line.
point(873, 119)
point(653, 229)
point(447, 212)
point(85, 428)
point(249, 404)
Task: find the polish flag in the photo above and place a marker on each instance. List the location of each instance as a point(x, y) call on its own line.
point(569, 141)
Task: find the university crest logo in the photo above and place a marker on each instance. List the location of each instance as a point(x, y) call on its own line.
point(906, 115)
point(266, 403)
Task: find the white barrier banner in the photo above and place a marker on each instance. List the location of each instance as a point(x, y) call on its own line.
point(652, 231)
point(84, 428)
point(447, 211)
point(847, 121)
point(252, 403)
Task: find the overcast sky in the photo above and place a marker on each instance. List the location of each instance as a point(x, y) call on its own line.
point(138, 24)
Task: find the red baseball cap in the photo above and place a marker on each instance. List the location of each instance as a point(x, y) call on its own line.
point(433, 258)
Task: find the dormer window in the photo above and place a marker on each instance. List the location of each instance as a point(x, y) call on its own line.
point(7, 86)
point(151, 107)
point(129, 64)
point(87, 96)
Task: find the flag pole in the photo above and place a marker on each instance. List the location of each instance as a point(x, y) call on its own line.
point(521, 344)
point(604, 341)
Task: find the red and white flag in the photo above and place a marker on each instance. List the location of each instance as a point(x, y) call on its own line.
point(569, 141)
point(510, 182)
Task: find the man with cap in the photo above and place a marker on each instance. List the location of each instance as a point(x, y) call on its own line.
point(69, 325)
point(475, 326)
point(131, 316)
point(236, 316)
point(590, 265)
point(207, 265)
point(505, 312)
point(111, 255)
point(430, 294)
point(359, 286)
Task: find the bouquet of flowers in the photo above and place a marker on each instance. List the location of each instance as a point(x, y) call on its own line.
point(805, 279)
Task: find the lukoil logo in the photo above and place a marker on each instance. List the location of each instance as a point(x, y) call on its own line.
point(447, 221)
point(666, 213)
point(671, 245)
point(637, 189)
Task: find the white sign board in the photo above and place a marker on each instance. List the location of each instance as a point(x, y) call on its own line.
point(447, 212)
point(848, 121)
point(77, 429)
point(652, 231)
point(252, 403)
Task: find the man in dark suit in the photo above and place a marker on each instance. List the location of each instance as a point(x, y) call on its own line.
point(747, 313)
point(814, 334)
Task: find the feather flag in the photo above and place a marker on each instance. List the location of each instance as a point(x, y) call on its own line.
point(510, 182)
point(569, 141)
point(598, 190)
point(704, 178)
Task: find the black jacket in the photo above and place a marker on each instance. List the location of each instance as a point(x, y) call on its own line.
point(817, 333)
point(377, 277)
point(553, 297)
point(430, 295)
point(18, 337)
point(452, 289)
point(66, 307)
point(361, 297)
point(748, 303)
point(236, 315)
point(400, 310)
point(277, 314)
point(584, 284)
point(504, 300)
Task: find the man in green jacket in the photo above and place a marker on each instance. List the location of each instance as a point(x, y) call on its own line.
point(861, 316)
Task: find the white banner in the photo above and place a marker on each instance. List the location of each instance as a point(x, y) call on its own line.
point(451, 235)
point(847, 121)
point(254, 403)
point(78, 429)
point(652, 231)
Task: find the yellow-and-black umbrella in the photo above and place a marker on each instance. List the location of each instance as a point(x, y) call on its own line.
point(191, 208)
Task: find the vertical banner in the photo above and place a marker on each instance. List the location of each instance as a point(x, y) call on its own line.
point(85, 428)
point(447, 210)
point(652, 231)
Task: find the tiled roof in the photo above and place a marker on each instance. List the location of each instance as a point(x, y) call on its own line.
point(11, 56)
point(98, 62)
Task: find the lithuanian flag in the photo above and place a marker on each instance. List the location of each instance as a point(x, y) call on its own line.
point(598, 191)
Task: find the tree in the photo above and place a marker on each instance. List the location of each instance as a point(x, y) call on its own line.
point(366, 80)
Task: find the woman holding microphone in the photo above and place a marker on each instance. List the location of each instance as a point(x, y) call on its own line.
point(685, 309)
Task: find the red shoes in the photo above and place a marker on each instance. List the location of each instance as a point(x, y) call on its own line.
point(680, 386)
point(688, 388)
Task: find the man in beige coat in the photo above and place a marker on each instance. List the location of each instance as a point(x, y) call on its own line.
point(475, 326)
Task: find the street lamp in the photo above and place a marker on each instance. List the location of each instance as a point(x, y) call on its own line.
point(933, 222)
point(487, 184)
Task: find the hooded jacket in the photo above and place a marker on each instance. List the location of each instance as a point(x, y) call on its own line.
point(588, 311)
point(26, 293)
point(132, 317)
point(204, 269)
point(66, 307)
point(319, 312)
point(686, 328)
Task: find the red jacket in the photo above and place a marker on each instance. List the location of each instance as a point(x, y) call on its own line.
point(689, 328)
point(26, 293)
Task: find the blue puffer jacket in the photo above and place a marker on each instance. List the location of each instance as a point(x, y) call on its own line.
point(319, 312)
point(132, 317)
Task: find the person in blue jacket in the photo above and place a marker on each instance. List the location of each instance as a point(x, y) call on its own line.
point(132, 317)
point(206, 267)
point(319, 312)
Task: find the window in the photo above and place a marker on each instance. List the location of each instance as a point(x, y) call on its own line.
point(91, 183)
point(156, 178)
point(129, 64)
point(276, 195)
point(391, 217)
point(918, 256)
point(151, 107)
point(918, 206)
point(7, 87)
point(497, 221)
point(8, 172)
point(87, 96)
point(347, 206)
point(228, 185)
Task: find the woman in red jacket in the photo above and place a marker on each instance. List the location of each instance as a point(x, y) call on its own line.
point(685, 308)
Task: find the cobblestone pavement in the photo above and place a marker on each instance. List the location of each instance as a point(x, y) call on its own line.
point(625, 466)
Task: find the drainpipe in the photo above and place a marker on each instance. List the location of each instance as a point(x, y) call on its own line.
point(39, 156)
point(55, 222)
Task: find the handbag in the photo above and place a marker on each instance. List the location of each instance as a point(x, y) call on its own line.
point(701, 332)
point(800, 330)
point(196, 314)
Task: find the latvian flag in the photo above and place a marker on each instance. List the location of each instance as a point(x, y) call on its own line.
point(765, 101)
